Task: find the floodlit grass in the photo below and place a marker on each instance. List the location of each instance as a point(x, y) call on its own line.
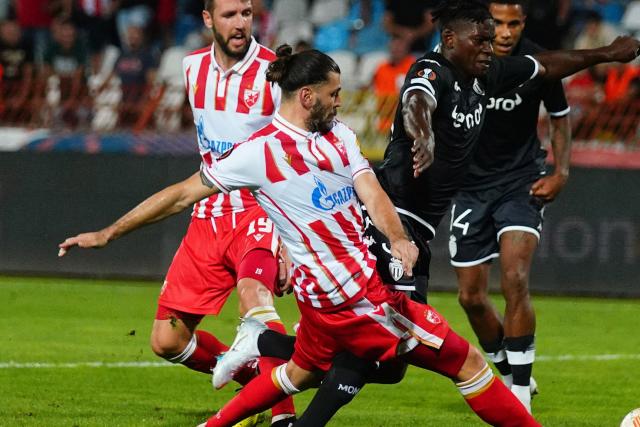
point(60, 321)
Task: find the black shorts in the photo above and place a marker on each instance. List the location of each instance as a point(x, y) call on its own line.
point(378, 243)
point(478, 219)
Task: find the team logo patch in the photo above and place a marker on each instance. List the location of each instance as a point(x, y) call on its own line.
point(427, 73)
point(432, 317)
point(250, 97)
point(476, 87)
point(395, 269)
point(453, 246)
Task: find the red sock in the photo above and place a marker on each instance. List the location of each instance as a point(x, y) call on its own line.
point(266, 364)
point(203, 359)
point(497, 406)
point(257, 396)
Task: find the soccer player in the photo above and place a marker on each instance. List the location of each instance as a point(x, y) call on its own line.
point(498, 212)
point(442, 106)
point(230, 242)
point(306, 170)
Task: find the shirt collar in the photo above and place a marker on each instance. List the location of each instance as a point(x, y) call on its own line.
point(298, 134)
point(241, 66)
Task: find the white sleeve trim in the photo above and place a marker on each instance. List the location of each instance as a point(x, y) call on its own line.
point(537, 66)
point(361, 171)
point(409, 89)
point(559, 113)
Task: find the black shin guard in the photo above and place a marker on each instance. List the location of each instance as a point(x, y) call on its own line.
point(343, 381)
point(275, 344)
point(520, 351)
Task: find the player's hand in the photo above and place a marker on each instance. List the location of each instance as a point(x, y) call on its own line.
point(422, 154)
point(547, 188)
point(284, 285)
point(95, 239)
point(624, 49)
point(407, 253)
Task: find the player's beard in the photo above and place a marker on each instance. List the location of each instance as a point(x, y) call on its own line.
point(320, 118)
point(224, 45)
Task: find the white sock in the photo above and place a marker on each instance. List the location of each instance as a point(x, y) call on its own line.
point(523, 394)
point(507, 380)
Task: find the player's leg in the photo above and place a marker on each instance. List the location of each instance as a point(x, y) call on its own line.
point(189, 292)
point(483, 317)
point(253, 255)
point(472, 246)
point(174, 337)
point(485, 394)
point(274, 385)
point(516, 254)
point(518, 218)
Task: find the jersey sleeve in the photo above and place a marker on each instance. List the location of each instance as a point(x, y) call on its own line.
point(509, 72)
point(426, 75)
point(358, 163)
point(240, 167)
point(555, 100)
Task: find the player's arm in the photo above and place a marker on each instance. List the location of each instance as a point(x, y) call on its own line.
point(561, 63)
point(162, 204)
point(384, 216)
point(416, 115)
point(548, 187)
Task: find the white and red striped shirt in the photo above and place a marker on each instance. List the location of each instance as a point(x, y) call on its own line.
point(227, 108)
point(305, 183)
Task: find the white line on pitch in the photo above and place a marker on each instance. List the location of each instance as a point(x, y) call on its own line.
point(50, 365)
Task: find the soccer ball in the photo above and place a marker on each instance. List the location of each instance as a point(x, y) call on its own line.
point(632, 419)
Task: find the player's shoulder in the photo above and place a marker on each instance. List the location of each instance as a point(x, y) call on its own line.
point(527, 47)
point(431, 67)
point(343, 131)
point(196, 56)
point(265, 54)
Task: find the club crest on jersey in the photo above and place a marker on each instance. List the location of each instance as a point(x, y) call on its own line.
point(476, 87)
point(427, 73)
point(432, 317)
point(323, 200)
point(395, 269)
point(250, 97)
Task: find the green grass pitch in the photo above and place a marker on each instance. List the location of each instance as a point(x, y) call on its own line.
point(66, 325)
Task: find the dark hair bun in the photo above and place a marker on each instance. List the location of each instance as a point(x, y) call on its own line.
point(278, 68)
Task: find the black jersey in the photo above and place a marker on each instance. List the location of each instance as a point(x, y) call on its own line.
point(456, 124)
point(509, 148)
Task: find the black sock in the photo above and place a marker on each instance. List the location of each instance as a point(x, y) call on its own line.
point(389, 372)
point(343, 381)
point(520, 351)
point(275, 344)
point(492, 349)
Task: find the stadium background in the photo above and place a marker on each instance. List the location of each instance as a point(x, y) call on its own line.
point(84, 135)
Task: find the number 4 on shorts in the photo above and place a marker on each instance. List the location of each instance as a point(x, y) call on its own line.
point(457, 221)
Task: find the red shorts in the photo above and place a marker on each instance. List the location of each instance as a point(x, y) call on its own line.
point(211, 259)
point(380, 326)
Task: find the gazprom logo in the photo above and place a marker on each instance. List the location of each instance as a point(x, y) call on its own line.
point(216, 147)
point(322, 199)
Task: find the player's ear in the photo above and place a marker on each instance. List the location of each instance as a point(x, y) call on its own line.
point(306, 97)
point(207, 19)
point(448, 38)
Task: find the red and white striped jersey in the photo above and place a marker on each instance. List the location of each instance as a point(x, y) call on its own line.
point(227, 108)
point(305, 183)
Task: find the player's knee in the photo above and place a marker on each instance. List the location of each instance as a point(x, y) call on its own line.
point(166, 346)
point(472, 300)
point(473, 364)
point(515, 279)
point(252, 293)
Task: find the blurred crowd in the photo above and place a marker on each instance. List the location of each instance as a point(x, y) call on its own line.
point(103, 64)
